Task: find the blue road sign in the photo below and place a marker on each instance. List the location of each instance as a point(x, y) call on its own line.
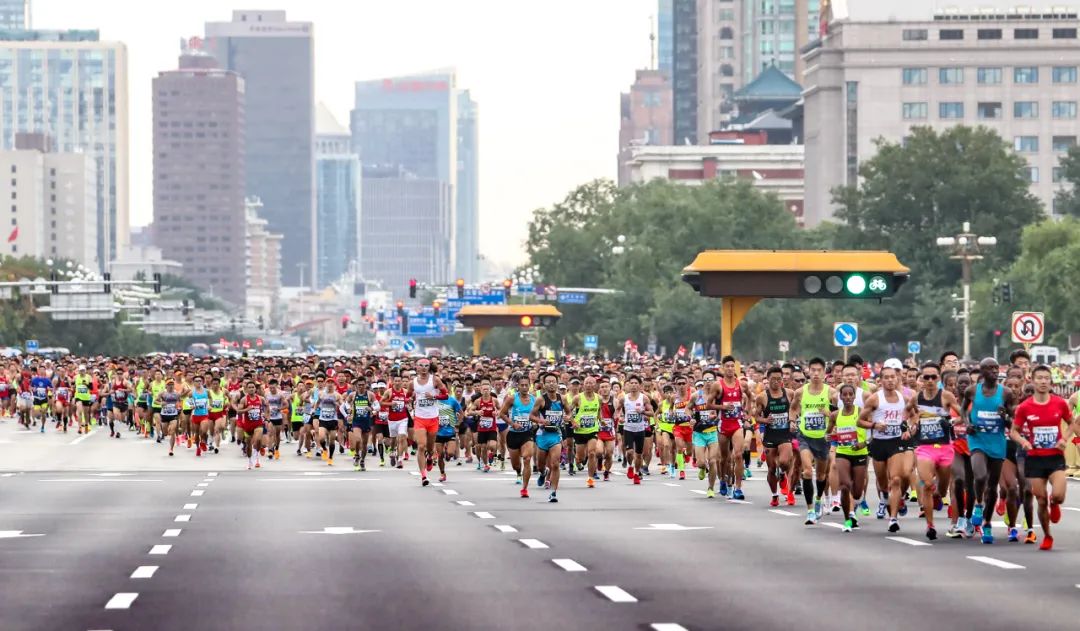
point(914, 348)
point(845, 334)
point(395, 342)
point(592, 342)
point(573, 297)
point(524, 288)
point(31, 346)
point(409, 345)
point(311, 349)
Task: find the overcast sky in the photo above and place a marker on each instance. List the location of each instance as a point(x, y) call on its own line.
point(547, 76)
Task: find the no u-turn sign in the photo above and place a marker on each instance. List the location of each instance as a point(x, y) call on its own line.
point(1028, 327)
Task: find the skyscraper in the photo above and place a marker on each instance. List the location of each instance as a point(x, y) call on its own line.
point(337, 187)
point(645, 117)
point(13, 14)
point(72, 87)
point(276, 59)
point(199, 214)
point(665, 15)
point(467, 229)
point(684, 73)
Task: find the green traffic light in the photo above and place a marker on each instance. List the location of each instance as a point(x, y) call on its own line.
point(856, 285)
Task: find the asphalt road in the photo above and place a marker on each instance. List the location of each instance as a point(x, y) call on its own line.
point(299, 545)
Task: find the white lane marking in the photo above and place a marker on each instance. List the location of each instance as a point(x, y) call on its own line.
point(337, 530)
point(94, 480)
point(698, 491)
point(202, 485)
point(121, 600)
point(666, 626)
point(83, 437)
point(160, 549)
point(208, 480)
point(1070, 508)
point(212, 474)
point(16, 534)
point(786, 513)
point(180, 518)
point(437, 484)
point(672, 527)
point(190, 506)
point(569, 565)
point(615, 594)
point(831, 524)
point(414, 472)
point(197, 493)
point(144, 571)
point(6, 475)
point(733, 501)
point(672, 484)
point(464, 503)
point(313, 480)
point(450, 491)
point(172, 532)
point(1005, 565)
point(910, 542)
point(534, 544)
point(484, 515)
point(505, 528)
point(110, 475)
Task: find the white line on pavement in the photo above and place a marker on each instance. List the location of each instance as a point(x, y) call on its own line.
point(739, 502)
point(910, 542)
point(534, 544)
point(197, 493)
point(203, 485)
point(698, 491)
point(208, 480)
point(831, 525)
point(450, 491)
point(484, 515)
point(83, 437)
point(190, 506)
point(437, 484)
point(160, 549)
point(183, 518)
point(172, 532)
point(671, 484)
point(465, 503)
point(1005, 565)
point(94, 480)
point(313, 480)
point(144, 571)
point(666, 626)
point(780, 511)
point(212, 474)
point(1070, 508)
point(615, 594)
point(506, 528)
point(121, 600)
point(569, 565)
point(414, 473)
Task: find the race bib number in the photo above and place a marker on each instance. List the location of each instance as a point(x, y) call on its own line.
point(327, 414)
point(587, 422)
point(486, 422)
point(847, 436)
point(779, 421)
point(734, 413)
point(168, 409)
point(522, 420)
point(931, 429)
point(425, 403)
point(682, 416)
point(608, 425)
point(892, 430)
point(82, 389)
point(959, 429)
point(1044, 437)
point(254, 414)
point(397, 406)
point(553, 417)
point(445, 421)
point(987, 421)
point(815, 422)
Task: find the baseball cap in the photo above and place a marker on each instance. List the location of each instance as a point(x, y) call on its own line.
point(893, 363)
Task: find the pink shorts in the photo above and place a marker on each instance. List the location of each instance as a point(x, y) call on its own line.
point(429, 425)
point(940, 455)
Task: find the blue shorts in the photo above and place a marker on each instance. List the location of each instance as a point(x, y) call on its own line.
point(501, 426)
point(704, 439)
point(547, 440)
point(361, 423)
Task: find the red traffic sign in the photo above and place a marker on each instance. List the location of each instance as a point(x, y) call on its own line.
point(1028, 327)
point(247, 344)
point(258, 342)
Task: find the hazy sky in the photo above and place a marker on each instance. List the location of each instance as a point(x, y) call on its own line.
point(547, 75)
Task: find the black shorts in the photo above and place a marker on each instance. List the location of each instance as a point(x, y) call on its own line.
point(382, 429)
point(1040, 467)
point(442, 440)
point(470, 423)
point(362, 424)
point(296, 425)
point(121, 407)
point(634, 441)
point(517, 440)
point(583, 439)
point(883, 449)
point(328, 425)
point(567, 432)
point(776, 437)
point(487, 437)
point(142, 405)
point(856, 461)
point(1010, 451)
point(168, 418)
point(277, 422)
point(156, 410)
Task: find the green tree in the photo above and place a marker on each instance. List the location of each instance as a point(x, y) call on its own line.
point(1068, 199)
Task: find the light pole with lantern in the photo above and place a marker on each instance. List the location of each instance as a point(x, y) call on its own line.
point(966, 247)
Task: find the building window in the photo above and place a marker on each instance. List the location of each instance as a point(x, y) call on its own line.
point(1057, 175)
point(1063, 143)
point(13, 170)
point(1064, 33)
point(914, 111)
point(989, 110)
point(988, 33)
point(852, 156)
point(1026, 74)
point(950, 76)
point(914, 76)
point(951, 33)
point(1033, 174)
point(915, 35)
point(1026, 109)
point(951, 110)
point(988, 76)
point(1026, 33)
point(1064, 74)
point(1026, 144)
point(1063, 109)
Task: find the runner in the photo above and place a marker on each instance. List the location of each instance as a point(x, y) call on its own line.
point(636, 410)
point(359, 401)
point(425, 390)
point(885, 411)
point(992, 406)
point(450, 415)
point(200, 414)
point(810, 407)
point(518, 413)
point(549, 414)
point(851, 453)
point(773, 408)
point(586, 424)
point(930, 421)
point(485, 410)
point(607, 433)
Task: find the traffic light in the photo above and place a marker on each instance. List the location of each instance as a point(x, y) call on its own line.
point(460, 288)
point(157, 283)
point(108, 283)
point(412, 288)
point(849, 285)
point(526, 321)
point(1006, 293)
point(344, 322)
point(262, 323)
point(507, 284)
point(400, 309)
point(435, 306)
point(381, 317)
point(363, 308)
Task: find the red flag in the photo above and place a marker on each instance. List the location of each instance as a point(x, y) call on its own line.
point(14, 235)
point(681, 351)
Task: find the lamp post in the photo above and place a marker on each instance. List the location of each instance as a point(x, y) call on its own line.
point(966, 247)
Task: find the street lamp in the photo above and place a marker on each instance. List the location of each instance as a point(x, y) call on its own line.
point(966, 247)
point(620, 248)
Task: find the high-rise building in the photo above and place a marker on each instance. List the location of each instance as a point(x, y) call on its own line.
point(684, 72)
point(645, 117)
point(665, 15)
point(337, 187)
point(72, 87)
point(276, 59)
point(410, 124)
point(199, 214)
point(883, 68)
point(263, 265)
point(13, 15)
point(405, 227)
point(467, 210)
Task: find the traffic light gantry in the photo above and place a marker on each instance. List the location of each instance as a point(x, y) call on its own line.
point(483, 318)
point(742, 278)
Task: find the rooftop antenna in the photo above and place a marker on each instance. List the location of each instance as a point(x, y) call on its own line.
point(652, 44)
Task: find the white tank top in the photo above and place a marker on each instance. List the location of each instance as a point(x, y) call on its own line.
point(891, 414)
point(635, 413)
point(425, 405)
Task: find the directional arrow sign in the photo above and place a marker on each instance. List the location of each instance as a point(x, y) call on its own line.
point(845, 334)
point(15, 534)
point(337, 530)
point(673, 527)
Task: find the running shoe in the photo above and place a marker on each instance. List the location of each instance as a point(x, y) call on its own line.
point(1014, 535)
point(552, 498)
point(382, 461)
point(547, 485)
point(525, 493)
point(487, 469)
point(541, 478)
point(607, 476)
point(811, 518)
point(953, 532)
point(999, 507)
point(723, 488)
point(442, 478)
point(939, 503)
point(630, 473)
point(518, 481)
point(969, 528)
point(710, 493)
point(977, 515)
point(854, 522)
point(894, 525)
point(702, 472)
point(637, 479)
point(663, 469)
point(790, 499)
point(747, 474)
point(198, 452)
point(847, 526)
point(931, 533)
point(356, 464)
point(393, 460)
point(783, 485)
point(329, 462)
point(1055, 512)
point(738, 495)
point(864, 508)
point(881, 509)
point(903, 509)
point(775, 500)
point(817, 507)
point(836, 506)
point(1030, 538)
point(1047, 543)
point(590, 483)
point(987, 535)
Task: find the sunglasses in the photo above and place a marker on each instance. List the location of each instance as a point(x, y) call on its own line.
point(798, 380)
point(929, 377)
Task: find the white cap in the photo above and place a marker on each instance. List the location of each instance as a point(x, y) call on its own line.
point(82, 366)
point(893, 363)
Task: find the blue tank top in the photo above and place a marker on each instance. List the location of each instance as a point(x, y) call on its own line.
point(200, 403)
point(987, 424)
point(519, 413)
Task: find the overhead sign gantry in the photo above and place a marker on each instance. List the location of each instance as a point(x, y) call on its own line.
point(742, 278)
point(483, 318)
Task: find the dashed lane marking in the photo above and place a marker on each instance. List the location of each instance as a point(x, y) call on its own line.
point(666, 626)
point(182, 518)
point(144, 571)
point(160, 549)
point(484, 515)
point(172, 532)
point(197, 493)
point(785, 513)
point(465, 503)
point(190, 506)
point(1005, 565)
point(534, 544)
point(504, 528)
point(450, 491)
point(569, 565)
point(910, 542)
point(212, 474)
point(83, 437)
point(615, 594)
point(121, 600)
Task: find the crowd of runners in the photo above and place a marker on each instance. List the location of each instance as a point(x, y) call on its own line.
point(966, 443)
